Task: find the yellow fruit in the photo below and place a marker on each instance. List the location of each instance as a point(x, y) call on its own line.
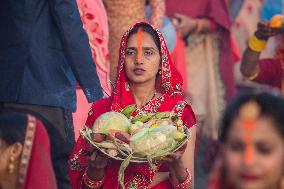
point(179, 122)
point(179, 136)
point(154, 125)
point(276, 21)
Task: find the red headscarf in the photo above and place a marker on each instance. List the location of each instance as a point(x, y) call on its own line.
point(35, 168)
point(169, 83)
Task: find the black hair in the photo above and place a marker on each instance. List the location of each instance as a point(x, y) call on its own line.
point(13, 127)
point(270, 106)
point(148, 29)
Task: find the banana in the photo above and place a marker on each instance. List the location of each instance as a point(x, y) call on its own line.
point(162, 115)
point(143, 118)
point(107, 145)
point(128, 110)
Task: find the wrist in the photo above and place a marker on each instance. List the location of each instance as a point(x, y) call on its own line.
point(177, 170)
point(260, 36)
point(198, 26)
point(256, 44)
point(95, 173)
point(185, 183)
point(92, 183)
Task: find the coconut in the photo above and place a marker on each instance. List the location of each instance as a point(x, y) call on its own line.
point(153, 141)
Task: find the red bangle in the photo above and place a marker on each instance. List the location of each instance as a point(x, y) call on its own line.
point(185, 184)
point(92, 183)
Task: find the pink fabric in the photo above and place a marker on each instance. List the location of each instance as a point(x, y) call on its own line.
point(235, 49)
point(169, 84)
point(40, 173)
point(81, 114)
point(94, 18)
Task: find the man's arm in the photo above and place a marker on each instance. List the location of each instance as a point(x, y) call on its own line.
point(76, 46)
point(251, 56)
point(249, 65)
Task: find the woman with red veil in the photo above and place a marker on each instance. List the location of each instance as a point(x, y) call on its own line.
point(146, 77)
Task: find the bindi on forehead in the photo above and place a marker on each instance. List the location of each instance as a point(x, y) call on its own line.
point(139, 44)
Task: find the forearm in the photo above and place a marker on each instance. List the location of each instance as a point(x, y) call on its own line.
point(76, 46)
point(178, 170)
point(249, 65)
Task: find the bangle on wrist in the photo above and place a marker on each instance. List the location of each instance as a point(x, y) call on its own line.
point(92, 183)
point(253, 76)
point(256, 44)
point(185, 184)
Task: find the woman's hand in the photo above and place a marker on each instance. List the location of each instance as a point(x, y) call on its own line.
point(184, 24)
point(96, 165)
point(177, 168)
point(263, 31)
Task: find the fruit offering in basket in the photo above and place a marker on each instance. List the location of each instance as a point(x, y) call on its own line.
point(144, 136)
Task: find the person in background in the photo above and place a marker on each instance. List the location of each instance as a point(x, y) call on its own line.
point(121, 15)
point(25, 161)
point(254, 164)
point(234, 7)
point(95, 23)
point(154, 85)
point(205, 27)
point(94, 18)
point(43, 51)
point(266, 71)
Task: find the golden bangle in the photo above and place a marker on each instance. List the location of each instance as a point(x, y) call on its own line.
point(253, 76)
point(256, 44)
point(185, 184)
point(92, 183)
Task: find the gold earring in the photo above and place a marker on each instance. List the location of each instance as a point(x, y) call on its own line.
point(11, 166)
point(127, 87)
point(282, 183)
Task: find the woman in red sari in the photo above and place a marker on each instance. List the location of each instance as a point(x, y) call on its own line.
point(259, 162)
point(146, 77)
point(25, 161)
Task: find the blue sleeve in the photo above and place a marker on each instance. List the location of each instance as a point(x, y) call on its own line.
point(76, 46)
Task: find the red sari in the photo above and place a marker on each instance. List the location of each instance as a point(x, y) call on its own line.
point(169, 83)
point(35, 167)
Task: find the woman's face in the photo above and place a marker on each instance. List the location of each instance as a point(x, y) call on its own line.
point(146, 69)
point(266, 166)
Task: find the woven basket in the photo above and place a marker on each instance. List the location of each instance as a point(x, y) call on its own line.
point(87, 135)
